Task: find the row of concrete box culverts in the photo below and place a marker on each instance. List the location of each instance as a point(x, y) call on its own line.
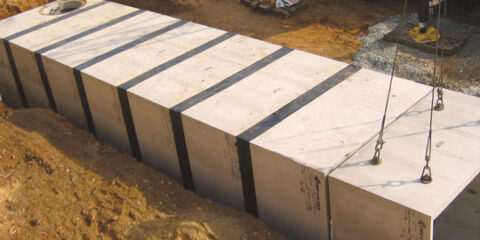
point(283, 134)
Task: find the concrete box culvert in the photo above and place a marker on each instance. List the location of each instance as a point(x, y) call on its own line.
point(250, 124)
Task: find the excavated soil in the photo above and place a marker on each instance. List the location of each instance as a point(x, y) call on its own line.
point(59, 182)
point(11, 7)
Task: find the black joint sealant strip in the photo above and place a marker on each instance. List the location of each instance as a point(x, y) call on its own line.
point(129, 45)
point(90, 31)
point(243, 140)
point(18, 83)
point(126, 111)
point(176, 118)
point(95, 60)
point(181, 147)
point(16, 77)
point(41, 68)
point(45, 82)
point(129, 125)
point(84, 100)
point(164, 66)
point(53, 21)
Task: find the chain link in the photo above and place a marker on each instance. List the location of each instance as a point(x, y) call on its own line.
point(439, 106)
point(427, 171)
point(426, 174)
point(378, 148)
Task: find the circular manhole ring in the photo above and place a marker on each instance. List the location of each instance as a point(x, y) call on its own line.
point(61, 7)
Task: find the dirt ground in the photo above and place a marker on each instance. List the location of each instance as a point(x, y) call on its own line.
point(11, 7)
point(58, 182)
point(328, 28)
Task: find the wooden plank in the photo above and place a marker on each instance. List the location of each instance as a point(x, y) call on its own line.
point(450, 44)
point(456, 141)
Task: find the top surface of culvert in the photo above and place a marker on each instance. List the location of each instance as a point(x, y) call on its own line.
point(61, 7)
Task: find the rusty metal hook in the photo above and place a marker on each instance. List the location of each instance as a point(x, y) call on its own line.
point(376, 160)
point(439, 106)
point(426, 175)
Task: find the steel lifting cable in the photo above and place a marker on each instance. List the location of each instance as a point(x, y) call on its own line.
point(427, 171)
point(378, 147)
point(439, 106)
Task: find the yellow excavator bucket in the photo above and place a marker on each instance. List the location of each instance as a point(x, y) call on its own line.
point(431, 35)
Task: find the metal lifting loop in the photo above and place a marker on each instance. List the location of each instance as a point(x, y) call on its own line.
point(376, 160)
point(376, 157)
point(439, 105)
point(426, 177)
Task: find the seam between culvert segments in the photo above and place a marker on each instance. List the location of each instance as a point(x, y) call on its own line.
point(361, 147)
point(40, 65)
point(111, 53)
point(126, 111)
point(244, 139)
point(176, 111)
point(16, 76)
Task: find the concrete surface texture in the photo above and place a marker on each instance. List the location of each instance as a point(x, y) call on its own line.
point(107, 75)
point(238, 108)
point(152, 99)
point(292, 159)
point(250, 124)
point(393, 190)
point(26, 48)
point(88, 50)
point(15, 27)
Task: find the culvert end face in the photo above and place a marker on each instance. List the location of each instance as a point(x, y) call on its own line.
point(61, 7)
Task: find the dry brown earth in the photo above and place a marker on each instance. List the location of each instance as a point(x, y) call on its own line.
point(59, 182)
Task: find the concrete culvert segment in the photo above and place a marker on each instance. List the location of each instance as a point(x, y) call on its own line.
point(61, 7)
point(283, 134)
